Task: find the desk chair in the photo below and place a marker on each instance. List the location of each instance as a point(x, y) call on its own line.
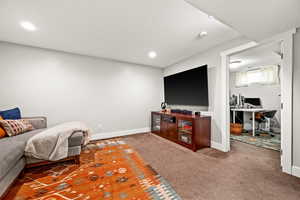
point(265, 117)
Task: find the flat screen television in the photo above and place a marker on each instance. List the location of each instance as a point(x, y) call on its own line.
point(187, 88)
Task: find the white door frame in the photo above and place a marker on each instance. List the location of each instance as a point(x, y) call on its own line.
point(286, 94)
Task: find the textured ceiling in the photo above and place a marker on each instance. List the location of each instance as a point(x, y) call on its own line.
point(255, 19)
point(114, 29)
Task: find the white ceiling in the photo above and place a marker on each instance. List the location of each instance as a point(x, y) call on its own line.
point(257, 57)
point(114, 29)
point(256, 19)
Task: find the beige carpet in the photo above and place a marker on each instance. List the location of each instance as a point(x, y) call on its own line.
point(246, 173)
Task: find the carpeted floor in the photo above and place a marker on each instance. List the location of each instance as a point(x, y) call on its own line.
point(246, 173)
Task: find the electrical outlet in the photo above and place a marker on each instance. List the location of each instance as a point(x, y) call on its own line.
point(100, 126)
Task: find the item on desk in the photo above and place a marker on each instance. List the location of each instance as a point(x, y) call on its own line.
point(233, 100)
point(253, 102)
point(249, 106)
point(241, 101)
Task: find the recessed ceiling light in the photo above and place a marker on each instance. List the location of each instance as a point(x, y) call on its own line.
point(211, 17)
point(152, 54)
point(28, 25)
point(202, 34)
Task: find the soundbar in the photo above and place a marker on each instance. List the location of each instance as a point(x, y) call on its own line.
point(179, 111)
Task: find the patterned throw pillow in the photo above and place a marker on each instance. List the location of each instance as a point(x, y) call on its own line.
point(15, 127)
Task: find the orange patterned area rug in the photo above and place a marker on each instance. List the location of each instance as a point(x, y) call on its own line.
point(109, 169)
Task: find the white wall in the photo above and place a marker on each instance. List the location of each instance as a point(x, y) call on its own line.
point(269, 95)
point(296, 101)
point(66, 87)
point(211, 58)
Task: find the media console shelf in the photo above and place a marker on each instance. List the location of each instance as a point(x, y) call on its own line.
point(190, 131)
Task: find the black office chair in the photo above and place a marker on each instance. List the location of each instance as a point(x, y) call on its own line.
point(270, 114)
point(265, 117)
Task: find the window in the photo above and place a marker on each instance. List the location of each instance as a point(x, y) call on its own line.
point(264, 76)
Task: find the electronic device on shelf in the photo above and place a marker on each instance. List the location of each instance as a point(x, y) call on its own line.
point(175, 110)
point(179, 111)
point(198, 113)
point(185, 138)
point(169, 119)
point(163, 106)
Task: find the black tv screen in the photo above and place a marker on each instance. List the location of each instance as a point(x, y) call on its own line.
point(187, 88)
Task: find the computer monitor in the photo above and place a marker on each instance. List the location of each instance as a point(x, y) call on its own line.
point(253, 101)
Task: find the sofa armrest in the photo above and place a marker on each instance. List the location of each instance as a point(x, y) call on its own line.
point(37, 122)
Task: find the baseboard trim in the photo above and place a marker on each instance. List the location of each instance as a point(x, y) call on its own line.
point(216, 145)
point(100, 136)
point(296, 171)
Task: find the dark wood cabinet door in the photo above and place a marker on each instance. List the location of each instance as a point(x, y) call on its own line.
point(202, 130)
point(164, 129)
point(155, 123)
point(172, 131)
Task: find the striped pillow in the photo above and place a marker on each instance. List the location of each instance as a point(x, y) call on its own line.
point(16, 127)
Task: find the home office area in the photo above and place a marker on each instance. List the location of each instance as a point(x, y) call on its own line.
point(255, 96)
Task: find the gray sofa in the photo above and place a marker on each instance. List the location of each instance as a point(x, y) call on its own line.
point(12, 159)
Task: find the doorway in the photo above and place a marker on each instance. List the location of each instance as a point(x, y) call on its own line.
point(286, 94)
point(255, 96)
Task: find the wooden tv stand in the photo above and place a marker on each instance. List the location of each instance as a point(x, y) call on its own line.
point(190, 131)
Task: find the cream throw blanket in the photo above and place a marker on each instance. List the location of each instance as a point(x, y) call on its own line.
point(52, 144)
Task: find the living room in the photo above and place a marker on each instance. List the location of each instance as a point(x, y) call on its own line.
point(105, 65)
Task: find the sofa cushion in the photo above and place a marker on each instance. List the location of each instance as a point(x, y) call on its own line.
point(20, 138)
point(37, 122)
point(9, 178)
point(75, 139)
point(14, 113)
point(12, 149)
point(72, 151)
point(11, 152)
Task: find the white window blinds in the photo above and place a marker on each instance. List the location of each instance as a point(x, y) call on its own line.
point(264, 76)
